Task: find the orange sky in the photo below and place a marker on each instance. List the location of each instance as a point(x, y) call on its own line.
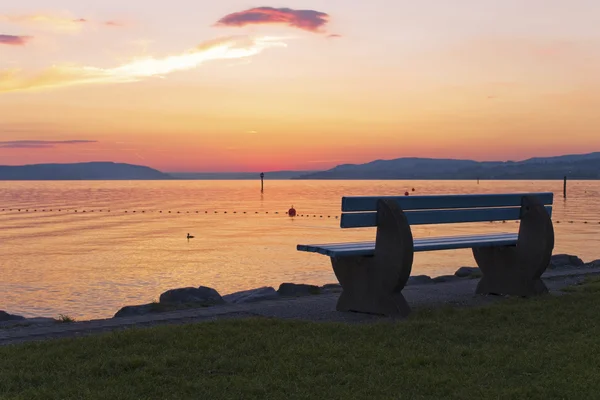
point(198, 86)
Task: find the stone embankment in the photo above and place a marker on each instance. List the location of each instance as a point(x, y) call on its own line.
point(202, 297)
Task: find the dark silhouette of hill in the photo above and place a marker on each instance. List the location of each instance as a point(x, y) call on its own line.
point(583, 166)
point(80, 171)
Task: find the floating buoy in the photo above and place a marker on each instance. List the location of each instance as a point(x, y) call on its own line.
point(292, 212)
point(406, 193)
point(189, 236)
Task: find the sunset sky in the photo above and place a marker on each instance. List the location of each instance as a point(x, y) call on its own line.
point(239, 86)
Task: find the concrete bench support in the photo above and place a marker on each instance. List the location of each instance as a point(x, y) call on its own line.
point(373, 284)
point(517, 270)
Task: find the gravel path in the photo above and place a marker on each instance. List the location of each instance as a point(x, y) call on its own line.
point(311, 308)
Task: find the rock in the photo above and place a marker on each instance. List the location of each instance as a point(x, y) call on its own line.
point(468, 272)
point(593, 264)
point(203, 294)
point(17, 323)
point(133, 311)
point(40, 321)
point(445, 278)
point(565, 261)
point(151, 308)
point(331, 288)
point(419, 280)
point(4, 316)
point(252, 295)
point(294, 289)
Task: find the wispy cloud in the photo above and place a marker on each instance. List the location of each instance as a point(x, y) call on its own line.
point(40, 144)
point(113, 24)
point(60, 23)
point(46, 21)
point(309, 20)
point(12, 40)
point(220, 49)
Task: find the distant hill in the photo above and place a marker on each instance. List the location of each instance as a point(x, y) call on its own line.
point(582, 166)
point(80, 171)
point(238, 175)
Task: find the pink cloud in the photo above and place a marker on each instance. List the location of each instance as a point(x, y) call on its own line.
point(308, 20)
point(12, 40)
point(113, 24)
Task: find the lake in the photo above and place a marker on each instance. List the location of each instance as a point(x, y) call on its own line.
point(86, 249)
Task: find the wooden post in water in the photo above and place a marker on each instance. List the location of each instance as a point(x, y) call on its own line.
point(262, 183)
point(565, 187)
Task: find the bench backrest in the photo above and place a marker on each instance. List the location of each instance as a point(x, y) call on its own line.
point(360, 211)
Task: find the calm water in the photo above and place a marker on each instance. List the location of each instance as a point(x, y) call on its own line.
point(88, 265)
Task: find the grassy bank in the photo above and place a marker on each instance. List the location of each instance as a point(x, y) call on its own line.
point(547, 348)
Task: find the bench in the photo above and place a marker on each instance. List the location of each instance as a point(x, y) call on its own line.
point(372, 274)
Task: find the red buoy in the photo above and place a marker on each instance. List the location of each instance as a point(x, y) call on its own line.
point(406, 193)
point(292, 212)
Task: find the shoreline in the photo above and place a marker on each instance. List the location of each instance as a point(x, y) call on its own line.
point(317, 308)
point(186, 304)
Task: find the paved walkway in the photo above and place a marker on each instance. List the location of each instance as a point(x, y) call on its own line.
point(311, 308)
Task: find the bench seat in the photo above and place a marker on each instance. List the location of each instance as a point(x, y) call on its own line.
point(423, 244)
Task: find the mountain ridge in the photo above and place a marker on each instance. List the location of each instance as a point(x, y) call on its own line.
point(97, 170)
point(575, 166)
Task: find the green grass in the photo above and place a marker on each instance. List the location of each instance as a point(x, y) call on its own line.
point(545, 348)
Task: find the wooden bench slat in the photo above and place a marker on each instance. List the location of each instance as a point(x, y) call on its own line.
point(441, 239)
point(369, 203)
point(369, 219)
point(423, 244)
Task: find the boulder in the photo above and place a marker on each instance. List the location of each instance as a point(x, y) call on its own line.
point(419, 280)
point(445, 278)
point(134, 311)
point(331, 288)
point(468, 272)
point(40, 321)
point(593, 264)
point(294, 289)
point(4, 316)
point(565, 261)
point(202, 294)
point(152, 308)
point(252, 295)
